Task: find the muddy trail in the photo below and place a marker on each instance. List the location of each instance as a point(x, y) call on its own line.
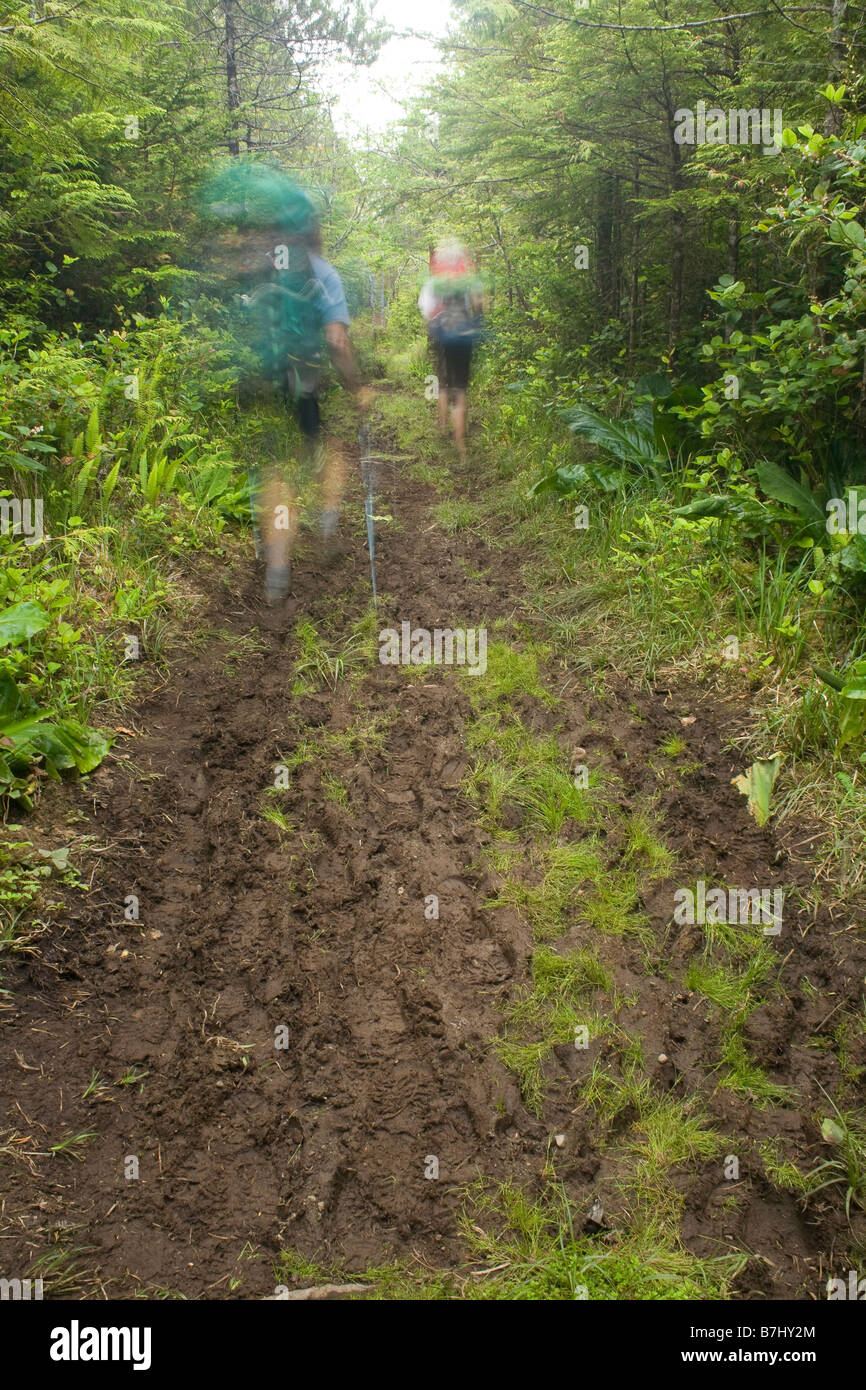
point(285, 1037)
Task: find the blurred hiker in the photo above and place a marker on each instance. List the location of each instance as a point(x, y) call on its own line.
point(297, 315)
point(451, 302)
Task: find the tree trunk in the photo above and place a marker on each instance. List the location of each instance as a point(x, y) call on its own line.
point(604, 269)
point(678, 229)
point(634, 293)
point(733, 259)
point(833, 123)
point(232, 92)
point(733, 246)
point(677, 260)
point(512, 287)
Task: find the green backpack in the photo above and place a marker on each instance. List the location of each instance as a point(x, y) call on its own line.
point(285, 317)
point(282, 318)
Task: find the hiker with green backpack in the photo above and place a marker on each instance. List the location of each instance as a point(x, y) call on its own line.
point(451, 303)
point(296, 317)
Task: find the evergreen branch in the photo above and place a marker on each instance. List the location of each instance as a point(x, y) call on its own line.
point(667, 28)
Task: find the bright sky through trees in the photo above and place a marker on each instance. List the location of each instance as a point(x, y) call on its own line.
point(369, 98)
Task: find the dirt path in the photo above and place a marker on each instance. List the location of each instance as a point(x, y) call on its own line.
point(244, 930)
point(317, 926)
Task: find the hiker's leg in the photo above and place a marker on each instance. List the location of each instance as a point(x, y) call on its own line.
point(309, 416)
point(460, 409)
point(278, 523)
point(442, 408)
point(442, 380)
point(459, 368)
point(333, 486)
point(324, 462)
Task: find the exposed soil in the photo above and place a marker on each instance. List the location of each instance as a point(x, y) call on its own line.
point(246, 1148)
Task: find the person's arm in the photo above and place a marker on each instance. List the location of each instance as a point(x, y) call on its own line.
point(340, 349)
point(343, 358)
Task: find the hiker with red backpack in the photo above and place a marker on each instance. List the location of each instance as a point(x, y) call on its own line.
point(452, 305)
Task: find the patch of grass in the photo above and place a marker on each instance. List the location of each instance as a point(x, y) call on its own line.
point(363, 737)
point(669, 1132)
point(565, 869)
point(510, 674)
point(240, 646)
point(550, 799)
point(734, 973)
point(131, 1077)
point(782, 1172)
point(408, 421)
point(847, 1169)
point(72, 1145)
point(609, 1094)
point(522, 1248)
point(645, 847)
point(735, 991)
point(421, 672)
point(491, 785)
point(543, 796)
point(477, 576)
point(823, 793)
point(334, 790)
point(292, 1267)
point(747, 1078)
point(25, 874)
point(425, 471)
point(502, 733)
point(844, 1036)
point(533, 1250)
point(61, 1274)
point(665, 1131)
point(673, 1131)
point(739, 942)
point(456, 515)
point(386, 1283)
point(548, 1014)
point(612, 905)
point(317, 663)
point(96, 1088)
point(279, 819)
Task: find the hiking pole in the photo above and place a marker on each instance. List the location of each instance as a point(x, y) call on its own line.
point(368, 477)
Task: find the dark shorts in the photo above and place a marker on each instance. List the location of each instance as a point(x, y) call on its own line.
point(309, 415)
point(301, 394)
point(453, 364)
